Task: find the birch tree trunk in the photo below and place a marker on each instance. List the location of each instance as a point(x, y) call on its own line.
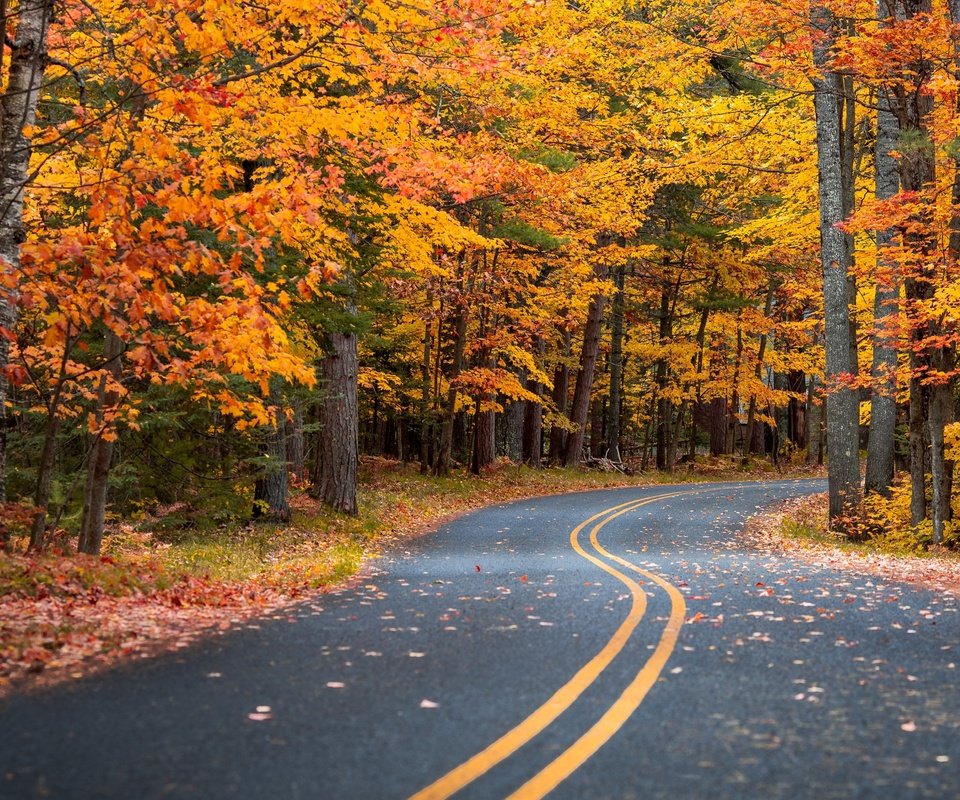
point(842, 411)
point(18, 111)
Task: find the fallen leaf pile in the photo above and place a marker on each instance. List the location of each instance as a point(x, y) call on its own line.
point(60, 622)
point(764, 532)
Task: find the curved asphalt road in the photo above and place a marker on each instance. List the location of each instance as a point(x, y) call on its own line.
point(787, 682)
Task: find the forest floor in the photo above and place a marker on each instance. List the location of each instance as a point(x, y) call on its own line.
point(798, 528)
point(172, 576)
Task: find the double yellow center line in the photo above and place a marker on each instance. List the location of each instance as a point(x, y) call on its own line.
point(618, 713)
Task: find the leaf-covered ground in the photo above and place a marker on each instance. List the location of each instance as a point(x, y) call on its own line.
point(797, 527)
point(160, 585)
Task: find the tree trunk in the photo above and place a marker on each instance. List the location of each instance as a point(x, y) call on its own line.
point(18, 108)
point(533, 421)
point(676, 430)
point(426, 424)
point(597, 418)
point(101, 454)
point(270, 500)
point(814, 424)
point(913, 107)
point(616, 368)
point(484, 440)
point(716, 411)
point(750, 445)
point(883, 401)
point(41, 497)
point(664, 406)
point(561, 390)
point(941, 468)
point(843, 411)
point(581, 394)
point(296, 458)
point(336, 481)
point(445, 451)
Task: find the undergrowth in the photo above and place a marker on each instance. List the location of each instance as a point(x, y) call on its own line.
point(881, 524)
point(159, 551)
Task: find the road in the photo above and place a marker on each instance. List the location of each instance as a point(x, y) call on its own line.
point(613, 644)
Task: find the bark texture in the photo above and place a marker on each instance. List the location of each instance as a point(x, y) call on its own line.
point(842, 411)
point(18, 111)
point(581, 394)
point(336, 480)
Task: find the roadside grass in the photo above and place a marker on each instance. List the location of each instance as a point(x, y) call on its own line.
point(804, 520)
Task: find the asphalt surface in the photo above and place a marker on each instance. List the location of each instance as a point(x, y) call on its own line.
point(787, 681)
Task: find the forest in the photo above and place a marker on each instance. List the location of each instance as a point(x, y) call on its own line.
point(244, 244)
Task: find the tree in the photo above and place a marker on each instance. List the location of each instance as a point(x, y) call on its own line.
point(18, 110)
point(842, 406)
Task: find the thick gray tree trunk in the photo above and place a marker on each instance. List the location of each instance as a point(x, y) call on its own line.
point(18, 109)
point(581, 394)
point(484, 441)
point(842, 412)
point(883, 402)
point(336, 479)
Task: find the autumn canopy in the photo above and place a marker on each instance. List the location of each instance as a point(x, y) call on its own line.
point(243, 244)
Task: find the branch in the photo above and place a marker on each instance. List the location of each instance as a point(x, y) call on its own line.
point(252, 73)
point(77, 76)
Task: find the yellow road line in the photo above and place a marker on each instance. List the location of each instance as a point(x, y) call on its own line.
point(565, 696)
point(613, 719)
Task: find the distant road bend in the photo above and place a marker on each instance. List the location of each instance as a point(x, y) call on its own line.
point(613, 644)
